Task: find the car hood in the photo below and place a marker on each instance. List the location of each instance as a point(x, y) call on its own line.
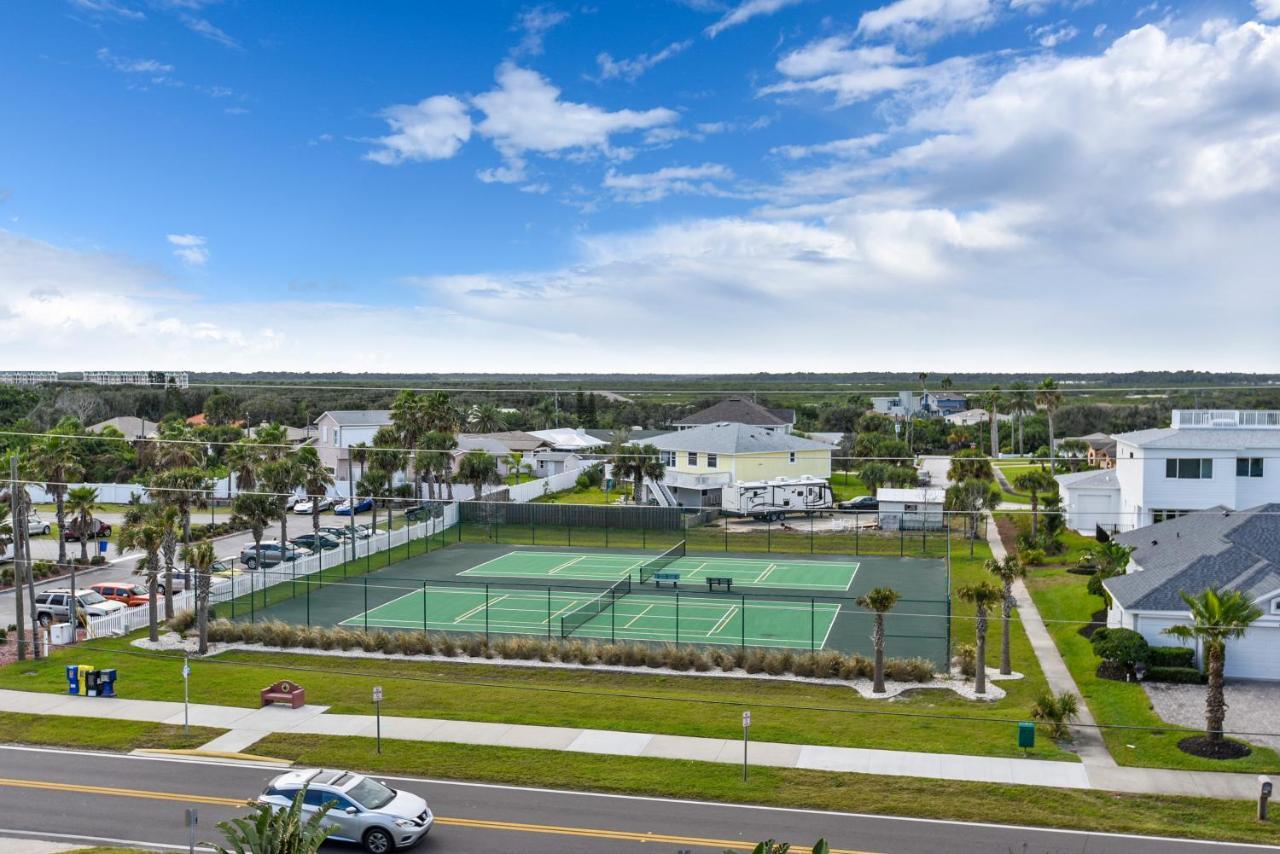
point(404, 805)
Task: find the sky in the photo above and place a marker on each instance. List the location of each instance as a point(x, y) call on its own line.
point(700, 186)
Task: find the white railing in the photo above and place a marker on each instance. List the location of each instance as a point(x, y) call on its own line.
point(1252, 418)
point(686, 480)
point(255, 581)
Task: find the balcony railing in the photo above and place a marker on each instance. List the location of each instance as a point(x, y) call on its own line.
point(684, 480)
point(1227, 418)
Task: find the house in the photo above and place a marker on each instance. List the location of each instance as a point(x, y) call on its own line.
point(292, 435)
point(1215, 548)
point(740, 410)
point(917, 509)
point(1102, 449)
point(946, 403)
point(634, 434)
point(518, 441)
point(827, 438)
point(547, 463)
point(1206, 458)
point(28, 377)
point(338, 429)
point(969, 417)
point(569, 439)
point(133, 427)
point(470, 442)
point(701, 461)
point(908, 404)
point(1090, 499)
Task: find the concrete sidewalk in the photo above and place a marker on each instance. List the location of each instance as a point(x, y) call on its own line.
point(247, 726)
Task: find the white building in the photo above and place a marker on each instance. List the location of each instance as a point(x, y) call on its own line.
point(27, 377)
point(969, 417)
point(1207, 458)
point(569, 439)
point(337, 430)
point(910, 403)
point(911, 509)
point(151, 378)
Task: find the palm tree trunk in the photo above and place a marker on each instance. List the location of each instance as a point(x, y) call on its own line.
point(60, 510)
point(980, 665)
point(315, 520)
point(1035, 515)
point(153, 610)
point(878, 640)
point(1215, 704)
point(203, 582)
point(1006, 664)
point(85, 522)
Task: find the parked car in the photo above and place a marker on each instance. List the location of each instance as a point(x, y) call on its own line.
point(272, 553)
point(37, 526)
point(292, 501)
point(862, 502)
point(363, 505)
point(304, 507)
point(54, 605)
point(99, 531)
point(360, 532)
point(364, 811)
point(310, 541)
point(129, 595)
point(418, 512)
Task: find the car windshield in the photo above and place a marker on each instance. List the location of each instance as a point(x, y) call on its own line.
point(371, 794)
point(137, 590)
point(93, 597)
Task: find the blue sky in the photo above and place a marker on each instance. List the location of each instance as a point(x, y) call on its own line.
point(702, 185)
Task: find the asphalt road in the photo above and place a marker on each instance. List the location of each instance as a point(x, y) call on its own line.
point(92, 798)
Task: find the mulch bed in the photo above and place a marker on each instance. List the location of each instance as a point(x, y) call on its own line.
point(1097, 620)
point(1008, 530)
point(1202, 746)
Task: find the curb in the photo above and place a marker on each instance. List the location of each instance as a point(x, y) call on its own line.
point(219, 755)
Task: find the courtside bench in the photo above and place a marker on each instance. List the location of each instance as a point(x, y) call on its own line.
point(672, 578)
point(725, 582)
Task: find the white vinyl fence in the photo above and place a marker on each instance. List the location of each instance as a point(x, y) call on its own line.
point(251, 581)
point(537, 488)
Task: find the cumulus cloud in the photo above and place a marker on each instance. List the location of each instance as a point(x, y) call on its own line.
point(435, 128)
point(191, 249)
point(534, 23)
point(631, 69)
point(849, 74)
point(1268, 10)
point(925, 20)
point(745, 11)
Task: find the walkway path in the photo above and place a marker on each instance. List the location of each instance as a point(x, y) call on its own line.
point(1088, 740)
point(248, 726)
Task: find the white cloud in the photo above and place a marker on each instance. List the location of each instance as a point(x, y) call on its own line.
point(206, 28)
point(745, 11)
point(858, 146)
point(850, 74)
point(653, 186)
point(1052, 35)
point(1268, 10)
point(924, 20)
point(192, 249)
point(109, 7)
point(631, 69)
point(435, 128)
point(132, 66)
point(535, 22)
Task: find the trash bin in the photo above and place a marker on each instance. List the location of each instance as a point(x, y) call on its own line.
point(61, 634)
point(1026, 735)
point(107, 683)
point(73, 679)
point(91, 680)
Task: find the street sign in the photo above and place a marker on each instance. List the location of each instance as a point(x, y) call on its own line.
point(186, 669)
point(746, 718)
point(377, 693)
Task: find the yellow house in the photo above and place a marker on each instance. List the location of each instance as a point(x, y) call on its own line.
point(701, 461)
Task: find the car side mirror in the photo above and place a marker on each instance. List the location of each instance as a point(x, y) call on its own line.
point(351, 811)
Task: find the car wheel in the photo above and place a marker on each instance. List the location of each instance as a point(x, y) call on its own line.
point(45, 530)
point(378, 841)
point(250, 563)
point(45, 619)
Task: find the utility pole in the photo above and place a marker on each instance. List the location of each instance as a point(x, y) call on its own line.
point(18, 518)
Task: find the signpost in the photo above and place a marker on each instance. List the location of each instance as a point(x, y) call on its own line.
point(186, 698)
point(191, 819)
point(746, 729)
point(377, 710)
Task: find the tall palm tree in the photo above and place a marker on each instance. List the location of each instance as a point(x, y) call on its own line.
point(972, 496)
point(436, 460)
point(646, 462)
point(146, 534)
point(1021, 401)
point(257, 511)
point(316, 481)
point(200, 557)
point(53, 460)
point(993, 400)
point(280, 478)
point(1049, 398)
point(1034, 483)
point(487, 418)
point(373, 483)
point(184, 489)
point(442, 414)
point(984, 597)
point(82, 501)
point(880, 600)
point(388, 455)
point(479, 468)
point(1006, 571)
point(19, 502)
point(1217, 616)
point(242, 461)
point(410, 419)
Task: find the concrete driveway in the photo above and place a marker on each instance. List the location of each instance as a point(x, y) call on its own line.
point(1251, 707)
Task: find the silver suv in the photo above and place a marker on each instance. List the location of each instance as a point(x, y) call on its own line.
point(53, 606)
point(272, 554)
point(364, 811)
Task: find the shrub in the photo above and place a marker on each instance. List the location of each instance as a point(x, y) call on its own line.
point(1120, 646)
point(1056, 712)
point(909, 669)
point(1171, 656)
point(182, 621)
point(966, 659)
point(98, 560)
point(1032, 556)
point(1179, 675)
point(43, 568)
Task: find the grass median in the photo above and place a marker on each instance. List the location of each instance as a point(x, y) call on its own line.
point(1199, 818)
point(60, 731)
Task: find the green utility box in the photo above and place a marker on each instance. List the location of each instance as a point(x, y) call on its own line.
point(1026, 735)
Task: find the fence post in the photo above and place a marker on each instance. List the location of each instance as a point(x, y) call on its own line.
point(388, 538)
point(486, 613)
point(252, 603)
point(902, 535)
point(606, 528)
point(548, 612)
point(307, 582)
point(857, 529)
point(677, 615)
point(811, 535)
point(424, 607)
point(742, 624)
point(364, 583)
point(644, 529)
point(813, 610)
point(726, 534)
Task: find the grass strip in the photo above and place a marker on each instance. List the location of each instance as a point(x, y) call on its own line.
point(60, 731)
point(1199, 818)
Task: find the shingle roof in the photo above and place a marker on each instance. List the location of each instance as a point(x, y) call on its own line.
point(517, 440)
point(1105, 478)
point(359, 417)
point(131, 426)
point(1209, 438)
point(733, 439)
point(738, 410)
point(1220, 548)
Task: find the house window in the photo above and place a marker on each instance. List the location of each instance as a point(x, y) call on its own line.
point(792, 456)
point(667, 458)
point(693, 458)
point(1191, 468)
point(1166, 515)
point(1249, 467)
point(711, 461)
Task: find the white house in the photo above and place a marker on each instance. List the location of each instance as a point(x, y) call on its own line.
point(1215, 548)
point(547, 463)
point(131, 426)
point(910, 403)
point(1206, 458)
point(911, 509)
point(969, 417)
point(569, 439)
point(338, 429)
point(1090, 499)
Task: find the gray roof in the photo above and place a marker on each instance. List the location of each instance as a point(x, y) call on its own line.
point(359, 417)
point(739, 410)
point(472, 442)
point(131, 426)
point(1209, 438)
point(1104, 479)
point(609, 435)
point(1097, 441)
point(734, 439)
point(1219, 548)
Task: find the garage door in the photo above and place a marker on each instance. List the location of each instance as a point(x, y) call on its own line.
point(1256, 655)
point(1092, 510)
point(1152, 629)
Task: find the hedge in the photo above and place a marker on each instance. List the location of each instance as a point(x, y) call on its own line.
point(1171, 656)
point(1177, 675)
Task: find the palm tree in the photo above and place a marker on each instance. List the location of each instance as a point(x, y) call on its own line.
point(442, 416)
point(372, 483)
point(82, 501)
point(200, 557)
point(479, 468)
point(436, 459)
point(1033, 483)
point(316, 481)
point(1021, 401)
point(183, 489)
point(280, 478)
point(410, 419)
point(992, 400)
point(1007, 571)
point(271, 831)
point(1049, 398)
point(242, 461)
point(53, 460)
point(388, 455)
point(167, 517)
point(257, 511)
point(645, 462)
point(972, 496)
point(984, 597)
point(1217, 616)
point(487, 418)
point(880, 600)
point(146, 534)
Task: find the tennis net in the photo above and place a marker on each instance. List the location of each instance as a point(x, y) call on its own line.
point(662, 561)
point(592, 608)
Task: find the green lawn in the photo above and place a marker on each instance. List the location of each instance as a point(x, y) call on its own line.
point(1161, 815)
point(1060, 595)
point(846, 485)
point(56, 730)
point(590, 495)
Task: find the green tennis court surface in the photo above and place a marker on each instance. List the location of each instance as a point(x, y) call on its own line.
point(637, 617)
point(779, 573)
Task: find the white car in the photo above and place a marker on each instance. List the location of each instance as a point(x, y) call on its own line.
point(37, 526)
point(304, 507)
point(364, 810)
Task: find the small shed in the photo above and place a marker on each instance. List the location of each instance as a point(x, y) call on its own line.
point(911, 509)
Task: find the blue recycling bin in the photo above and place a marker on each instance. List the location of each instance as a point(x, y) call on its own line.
point(102, 546)
point(107, 683)
point(73, 679)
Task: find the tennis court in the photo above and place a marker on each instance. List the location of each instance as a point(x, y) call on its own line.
point(772, 572)
point(608, 615)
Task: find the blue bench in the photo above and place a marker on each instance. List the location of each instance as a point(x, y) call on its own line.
point(672, 578)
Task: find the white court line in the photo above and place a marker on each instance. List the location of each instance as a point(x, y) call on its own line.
point(691, 573)
point(558, 614)
point(477, 609)
point(647, 609)
point(768, 570)
point(564, 565)
point(724, 621)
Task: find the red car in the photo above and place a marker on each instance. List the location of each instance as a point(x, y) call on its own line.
point(101, 530)
point(119, 591)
